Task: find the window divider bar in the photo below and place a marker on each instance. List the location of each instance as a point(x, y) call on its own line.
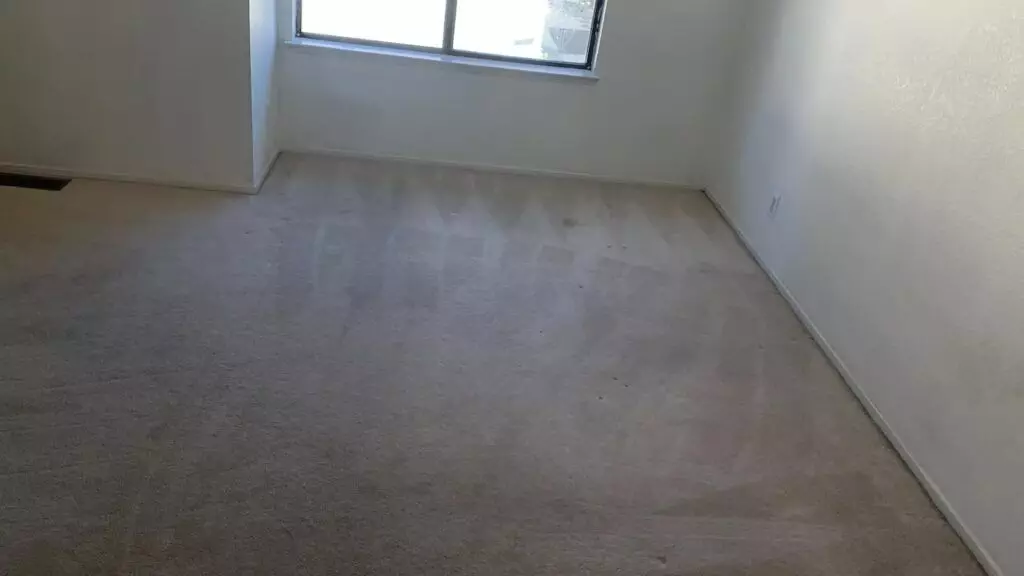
point(451, 9)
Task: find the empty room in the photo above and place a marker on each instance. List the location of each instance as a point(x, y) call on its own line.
point(512, 287)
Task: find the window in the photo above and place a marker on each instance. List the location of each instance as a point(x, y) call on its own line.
point(548, 32)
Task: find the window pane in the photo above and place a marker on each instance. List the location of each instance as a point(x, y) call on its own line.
point(552, 30)
point(412, 22)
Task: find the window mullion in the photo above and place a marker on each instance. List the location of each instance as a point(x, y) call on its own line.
point(449, 25)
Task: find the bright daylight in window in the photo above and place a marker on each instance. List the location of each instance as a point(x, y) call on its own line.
point(549, 31)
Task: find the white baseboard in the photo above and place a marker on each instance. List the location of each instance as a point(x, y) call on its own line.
point(51, 172)
point(938, 499)
point(503, 169)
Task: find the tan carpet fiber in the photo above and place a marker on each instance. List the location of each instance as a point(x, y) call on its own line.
point(378, 368)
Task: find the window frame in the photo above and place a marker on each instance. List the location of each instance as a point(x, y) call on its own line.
point(447, 45)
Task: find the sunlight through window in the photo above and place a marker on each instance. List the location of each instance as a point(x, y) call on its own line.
point(558, 32)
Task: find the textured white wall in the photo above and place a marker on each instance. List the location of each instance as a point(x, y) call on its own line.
point(661, 67)
point(894, 132)
point(142, 89)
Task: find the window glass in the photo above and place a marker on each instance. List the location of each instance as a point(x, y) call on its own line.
point(552, 30)
point(411, 22)
point(559, 32)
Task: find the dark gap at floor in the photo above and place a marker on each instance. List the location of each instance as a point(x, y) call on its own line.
point(33, 182)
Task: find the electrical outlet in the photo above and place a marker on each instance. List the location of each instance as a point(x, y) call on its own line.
point(776, 202)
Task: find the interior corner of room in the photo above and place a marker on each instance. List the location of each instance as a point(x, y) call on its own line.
point(867, 154)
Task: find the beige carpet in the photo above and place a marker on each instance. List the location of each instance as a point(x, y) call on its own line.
point(379, 368)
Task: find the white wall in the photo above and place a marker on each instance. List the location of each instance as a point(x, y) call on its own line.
point(894, 132)
point(263, 82)
point(661, 67)
point(187, 92)
point(142, 89)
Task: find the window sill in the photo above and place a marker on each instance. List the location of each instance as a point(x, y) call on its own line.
point(462, 61)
